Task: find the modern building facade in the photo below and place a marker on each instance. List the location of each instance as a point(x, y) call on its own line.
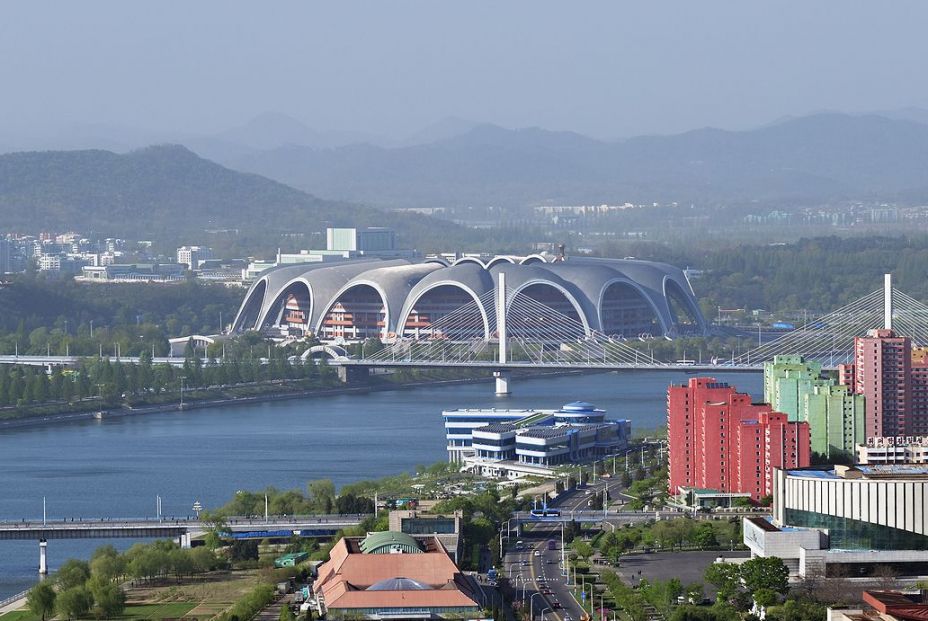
point(835, 414)
point(447, 528)
point(846, 520)
point(719, 440)
point(134, 272)
point(192, 255)
point(901, 450)
point(516, 443)
point(893, 378)
point(401, 298)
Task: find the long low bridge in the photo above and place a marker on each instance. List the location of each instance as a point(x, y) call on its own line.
point(183, 529)
point(115, 528)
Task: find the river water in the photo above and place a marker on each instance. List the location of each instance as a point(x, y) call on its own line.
point(117, 467)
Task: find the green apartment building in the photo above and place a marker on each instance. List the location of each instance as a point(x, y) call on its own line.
point(835, 415)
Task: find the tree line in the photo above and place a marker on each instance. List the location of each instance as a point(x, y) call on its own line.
point(80, 588)
point(113, 381)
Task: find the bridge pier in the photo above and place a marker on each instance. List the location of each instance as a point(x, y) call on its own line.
point(184, 541)
point(348, 375)
point(43, 557)
point(502, 382)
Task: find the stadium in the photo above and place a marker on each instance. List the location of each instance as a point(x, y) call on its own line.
point(428, 299)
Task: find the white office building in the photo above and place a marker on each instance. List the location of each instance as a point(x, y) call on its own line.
point(846, 520)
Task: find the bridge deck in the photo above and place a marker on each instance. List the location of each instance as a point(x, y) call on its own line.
point(116, 528)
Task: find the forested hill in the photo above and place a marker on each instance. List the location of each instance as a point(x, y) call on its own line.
point(169, 193)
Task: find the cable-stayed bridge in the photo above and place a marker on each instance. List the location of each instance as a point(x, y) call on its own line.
point(531, 335)
point(528, 334)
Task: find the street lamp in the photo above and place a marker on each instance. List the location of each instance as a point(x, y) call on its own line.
point(531, 606)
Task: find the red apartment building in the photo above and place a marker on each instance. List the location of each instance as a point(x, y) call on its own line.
point(722, 441)
point(894, 381)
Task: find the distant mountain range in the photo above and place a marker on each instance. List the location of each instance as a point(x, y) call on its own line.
point(819, 157)
point(170, 193)
point(455, 162)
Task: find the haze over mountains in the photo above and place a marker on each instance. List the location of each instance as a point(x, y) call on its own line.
point(455, 162)
point(822, 157)
point(171, 194)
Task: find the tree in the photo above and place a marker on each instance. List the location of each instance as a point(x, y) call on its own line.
point(74, 602)
point(108, 599)
point(106, 563)
point(764, 598)
point(725, 577)
point(73, 573)
point(322, 495)
point(765, 573)
point(704, 536)
point(582, 548)
point(41, 600)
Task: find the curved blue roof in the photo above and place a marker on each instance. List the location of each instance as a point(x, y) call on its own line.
point(579, 406)
point(399, 584)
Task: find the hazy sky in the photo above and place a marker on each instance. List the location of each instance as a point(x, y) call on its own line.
point(610, 68)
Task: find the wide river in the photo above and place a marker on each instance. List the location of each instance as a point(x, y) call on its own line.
point(117, 467)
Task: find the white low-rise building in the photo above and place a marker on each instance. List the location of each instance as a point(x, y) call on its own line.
point(846, 520)
point(890, 450)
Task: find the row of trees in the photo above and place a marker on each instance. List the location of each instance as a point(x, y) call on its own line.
point(113, 380)
point(320, 497)
point(80, 588)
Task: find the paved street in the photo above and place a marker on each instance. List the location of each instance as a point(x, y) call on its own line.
point(539, 577)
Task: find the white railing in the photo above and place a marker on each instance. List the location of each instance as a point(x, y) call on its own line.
point(13, 598)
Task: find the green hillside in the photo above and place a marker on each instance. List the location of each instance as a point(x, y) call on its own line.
point(169, 194)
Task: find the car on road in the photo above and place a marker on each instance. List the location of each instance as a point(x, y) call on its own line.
point(556, 605)
point(524, 563)
point(537, 553)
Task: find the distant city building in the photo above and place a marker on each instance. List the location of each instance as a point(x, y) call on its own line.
point(372, 239)
point(6, 256)
point(901, 450)
point(191, 256)
point(341, 245)
point(516, 443)
point(719, 440)
point(135, 272)
point(49, 263)
point(893, 381)
point(393, 575)
point(846, 520)
point(835, 415)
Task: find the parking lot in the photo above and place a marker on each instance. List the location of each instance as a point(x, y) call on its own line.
point(687, 567)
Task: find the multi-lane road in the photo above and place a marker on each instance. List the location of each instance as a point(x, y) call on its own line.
point(535, 574)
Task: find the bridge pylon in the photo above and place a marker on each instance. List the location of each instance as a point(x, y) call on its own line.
point(43, 557)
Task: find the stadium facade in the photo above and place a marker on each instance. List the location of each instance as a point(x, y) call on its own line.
point(400, 298)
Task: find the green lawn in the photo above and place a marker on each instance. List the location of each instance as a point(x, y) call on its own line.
point(19, 615)
point(170, 610)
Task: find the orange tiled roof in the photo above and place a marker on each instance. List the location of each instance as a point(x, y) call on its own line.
point(345, 576)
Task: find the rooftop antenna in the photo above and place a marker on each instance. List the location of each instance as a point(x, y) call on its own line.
point(888, 301)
